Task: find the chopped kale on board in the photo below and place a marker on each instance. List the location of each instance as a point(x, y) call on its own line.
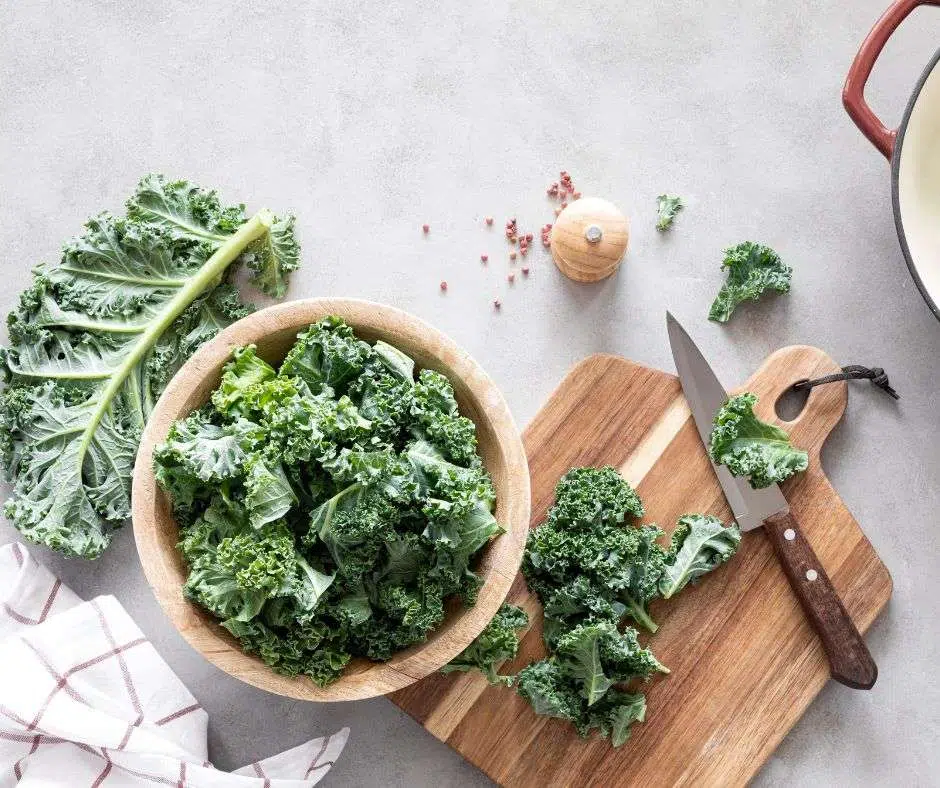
point(497, 643)
point(593, 569)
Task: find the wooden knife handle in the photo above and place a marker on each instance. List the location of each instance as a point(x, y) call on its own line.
point(849, 658)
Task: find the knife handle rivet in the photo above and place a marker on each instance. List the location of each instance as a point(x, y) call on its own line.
point(811, 574)
point(790, 535)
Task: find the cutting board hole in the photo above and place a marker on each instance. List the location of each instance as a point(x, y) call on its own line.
point(790, 404)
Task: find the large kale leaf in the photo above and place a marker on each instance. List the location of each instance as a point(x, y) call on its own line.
point(752, 270)
point(95, 339)
point(753, 448)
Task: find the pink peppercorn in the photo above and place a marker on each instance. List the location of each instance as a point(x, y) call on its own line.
point(426, 228)
point(496, 303)
point(525, 270)
point(484, 258)
point(488, 220)
point(511, 278)
point(512, 255)
point(444, 286)
point(528, 236)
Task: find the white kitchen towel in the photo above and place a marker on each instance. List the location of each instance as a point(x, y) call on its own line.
point(85, 700)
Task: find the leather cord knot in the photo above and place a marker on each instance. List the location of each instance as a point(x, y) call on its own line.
point(876, 375)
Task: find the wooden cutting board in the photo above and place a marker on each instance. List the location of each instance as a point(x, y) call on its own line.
point(745, 664)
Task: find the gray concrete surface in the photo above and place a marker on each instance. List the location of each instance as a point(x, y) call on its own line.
point(368, 119)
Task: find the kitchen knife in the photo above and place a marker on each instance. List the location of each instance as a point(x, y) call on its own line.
point(849, 659)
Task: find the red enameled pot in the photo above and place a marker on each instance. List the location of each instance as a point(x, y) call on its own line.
point(913, 149)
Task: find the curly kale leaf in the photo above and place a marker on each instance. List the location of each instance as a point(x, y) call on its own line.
point(268, 494)
point(614, 715)
point(298, 651)
point(553, 693)
point(666, 209)
point(399, 365)
point(301, 427)
point(752, 269)
point(700, 543)
point(640, 583)
point(198, 455)
point(753, 448)
point(245, 570)
point(385, 401)
point(596, 656)
point(586, 497)
point(497, 643)
point(550, 691)
point(327, 355)
point(95, 339)
point(434, 408)
point(241, 375)
point(583, 560)
point(353, 525)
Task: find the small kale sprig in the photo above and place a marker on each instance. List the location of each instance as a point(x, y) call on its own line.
point(496, 644)
point(753, 448)
point(666, 209)
point(752, 270)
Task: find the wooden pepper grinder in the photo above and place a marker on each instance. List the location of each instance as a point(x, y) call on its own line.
point(589, 239)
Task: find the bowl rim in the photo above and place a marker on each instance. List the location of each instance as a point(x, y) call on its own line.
point(165, 570)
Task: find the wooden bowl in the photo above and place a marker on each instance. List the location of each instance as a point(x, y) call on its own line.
point(274, 330)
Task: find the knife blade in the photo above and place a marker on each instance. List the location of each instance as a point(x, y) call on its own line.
point(850, 662)
point(705, 396)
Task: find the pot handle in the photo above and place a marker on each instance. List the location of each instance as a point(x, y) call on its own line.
point(853, 92)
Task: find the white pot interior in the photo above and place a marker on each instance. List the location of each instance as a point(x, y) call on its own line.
point(919, 185)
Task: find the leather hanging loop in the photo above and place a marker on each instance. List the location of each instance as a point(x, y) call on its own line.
point(876, 375)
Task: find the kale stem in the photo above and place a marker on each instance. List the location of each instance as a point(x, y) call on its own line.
point(639, 614)
point(256, 227)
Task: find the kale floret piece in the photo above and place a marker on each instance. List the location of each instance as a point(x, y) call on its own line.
point(667, 206)
point(753, 269)
point(435, 412)
point(584, 539)
point(700, 543)
point(586, 497)
point(753, 448)
point(497, 643)
point(327, 355)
